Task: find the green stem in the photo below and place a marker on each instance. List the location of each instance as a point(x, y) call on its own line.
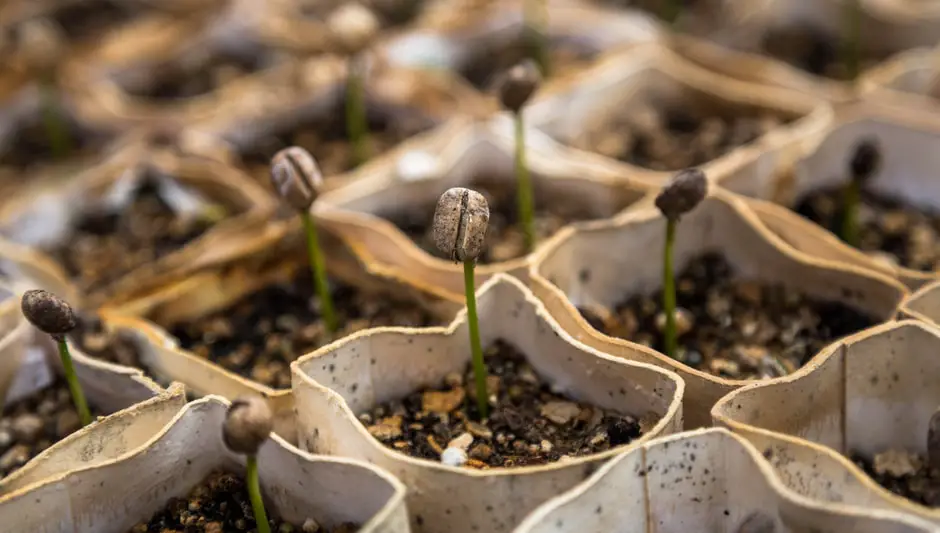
point(78, 396)
point(318, 268)
point(53, 121)
point(356, 124)
point(851, 43)
point(850, 200)
point(254, 494)
point(535, 20)
point(669, 290)
point(479, 368)
point(526, 204)
point(669, 11)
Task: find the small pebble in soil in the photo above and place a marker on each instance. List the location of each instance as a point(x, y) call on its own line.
point(35, 423)
point(733, 328)
point(529, 424)
point(814, 51)
point(262, 333)
point(674, 138)
point(220, 504)
point(104, 245)
point(903, 473)
point(504, 237)
point(889, 230)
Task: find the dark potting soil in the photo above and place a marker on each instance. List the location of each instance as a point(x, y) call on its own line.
point(675, 138)
point(35, 423)
point(30, 147)
point(91, 19)
point(905, 474)
point(485, 68)
point(261, 334)
point(814, 51)
point(220, 504)
point(113, 346)
point(733, 328)
point(908, 235)
point(504, 237)
point(328, 141)
point(390, 13)
point(104, 245)
point(528, 424)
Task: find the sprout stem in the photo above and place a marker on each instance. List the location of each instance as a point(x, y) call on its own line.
point(254, 493)
point(356, 124)
point(56, 130)
point(536, 18)
point(479, 368)
point(850, 200)
point(669, 290)
point(669, 11)
point(318, 268)
point(851, 44)
point(78, 396)
point(526, 204)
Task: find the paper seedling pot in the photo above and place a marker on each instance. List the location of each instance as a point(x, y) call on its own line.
point(707, 480)
point(924, 304)
point(42, 215)
point(651, 76)
point(462, 155)
point(333, 384)
point(867, 393)
point(458, 38)
point(911, 78)
point(580, 269)
point(274, 252)
point(905, 138)
point(113, 496)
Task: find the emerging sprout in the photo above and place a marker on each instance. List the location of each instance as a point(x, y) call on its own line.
point(757, 522)
point(54, 317)
point(669, 11)
point(247, 425)
point(459, 228)
point(41, 44)
point(297, 180)
point(682, 194)
point(354, 26)
point(516, 88)
point(863, 164)
point(933, 441)
point(852, 21)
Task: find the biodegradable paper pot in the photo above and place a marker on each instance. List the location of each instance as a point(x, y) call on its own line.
point(454, 40)
point(273, 253)
point(731, 41)
point(606, 263)
point(871, 391)
point(41, 216)
point(910, 79)
point(460, 156)
point(338, 381)
point(652, 76)
point(114, 496)
point(906, 141)
point(708, 480)
point(924, 304)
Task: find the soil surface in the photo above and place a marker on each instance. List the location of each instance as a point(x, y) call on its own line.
point(261, 334)
point(390, 13)
point(905, 474)
point(733, 328)
point(327, 140)
point(220, 504)
point(104, 245)
point(889, 230)
point(674, 138)
point(528, 423)
point(91, 19)
point(33, 424)
point(485, 68)
point(504, 237)
point(97, 341)
point(814, 51)
point(30, 147)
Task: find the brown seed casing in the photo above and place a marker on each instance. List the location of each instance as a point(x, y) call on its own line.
point(40, 41)
point(460, 223)
point(518, 85)
point(296, 177)
point(48, 313)
point(683, 193)
point(353, 26)
point(248, 423)
point(865, 160)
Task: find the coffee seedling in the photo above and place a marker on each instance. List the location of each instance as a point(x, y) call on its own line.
point(862, 166)
point(682, 194)
point(297, 180)
point(669, 11)
point(851, 43)
point(54, 317)
point(248, 424)
point(354, 26)
point(459, 228)
point(516, 88)
point(42, 43)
